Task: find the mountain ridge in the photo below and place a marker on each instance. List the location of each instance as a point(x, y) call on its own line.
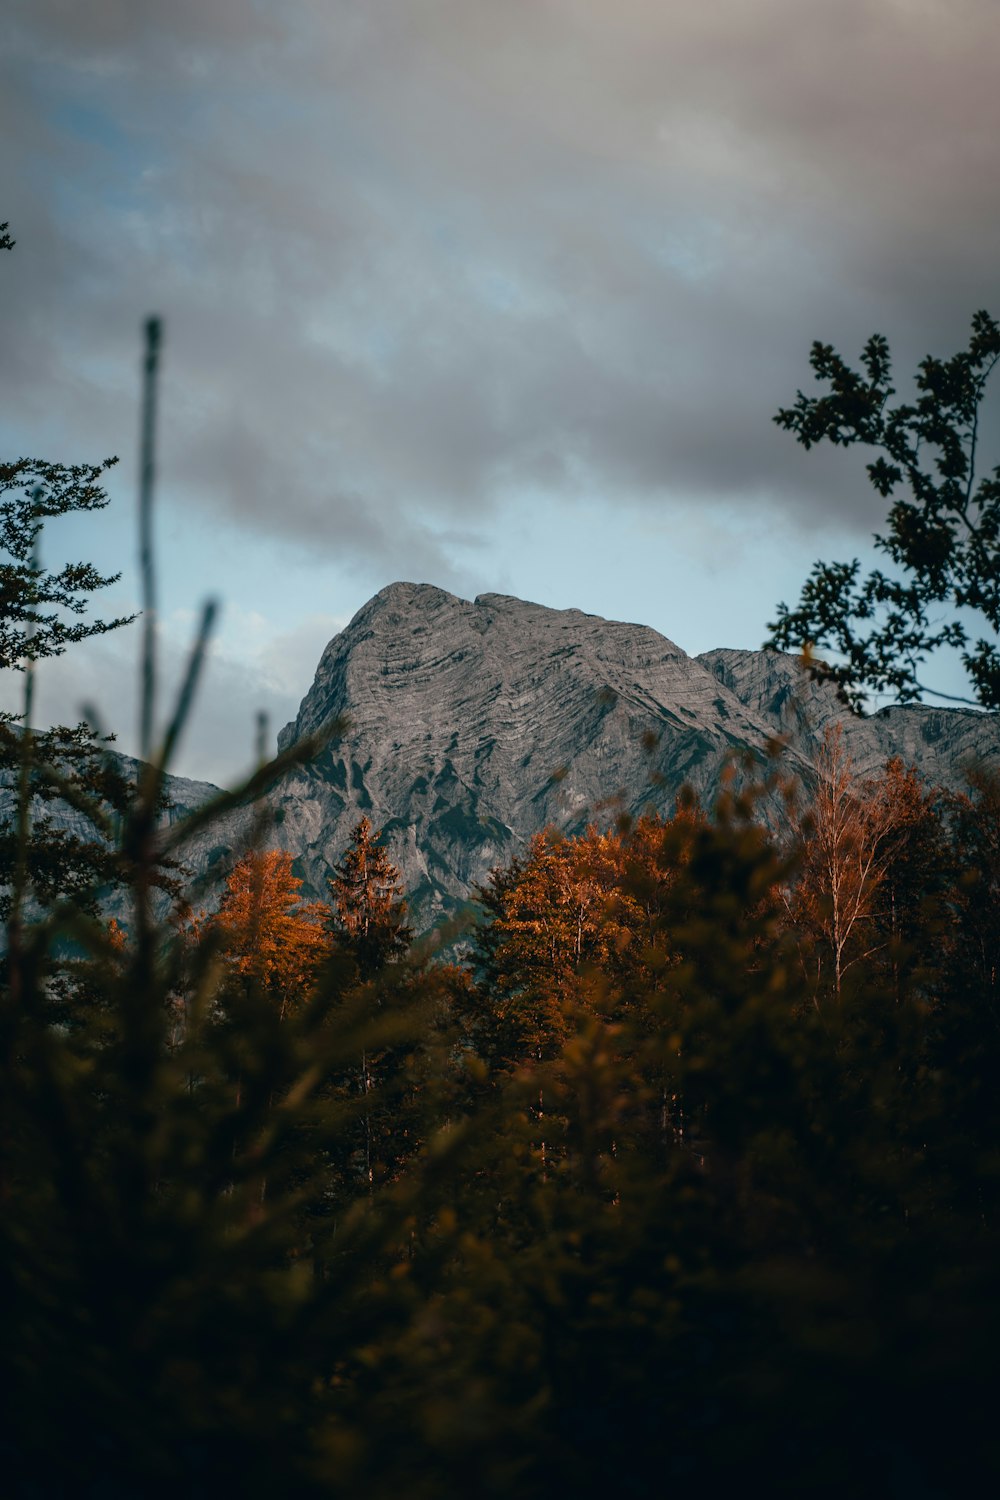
point(473, 724)
point(467, 726)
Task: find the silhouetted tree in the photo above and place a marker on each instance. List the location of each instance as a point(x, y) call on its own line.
point(42, 613)
point(912, 902)
point(943, 525)
point(33, 599)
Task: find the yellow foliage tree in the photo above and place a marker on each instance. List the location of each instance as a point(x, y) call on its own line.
point(849, 836)
point(269, 935)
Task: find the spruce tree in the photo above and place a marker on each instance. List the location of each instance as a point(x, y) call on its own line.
point(44, 612)
point(369, 918)
point(268, 935)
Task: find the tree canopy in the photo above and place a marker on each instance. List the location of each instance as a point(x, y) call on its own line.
point(42, 614)
point(269, 935)
point(942, 538)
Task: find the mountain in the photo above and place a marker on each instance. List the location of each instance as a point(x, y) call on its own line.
point(940, 742)
point(472, 725)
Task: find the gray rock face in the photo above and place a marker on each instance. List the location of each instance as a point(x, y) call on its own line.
point(474, 725)
point(940, 742)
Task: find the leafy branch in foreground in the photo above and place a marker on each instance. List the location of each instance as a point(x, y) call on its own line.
point(943, 525)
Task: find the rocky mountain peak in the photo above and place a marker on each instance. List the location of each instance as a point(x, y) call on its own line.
point(473, 724)
point(409, 630)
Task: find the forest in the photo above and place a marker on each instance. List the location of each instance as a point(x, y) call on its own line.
point(674, 1171)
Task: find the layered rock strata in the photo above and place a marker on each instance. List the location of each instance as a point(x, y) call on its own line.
point(472, 725)
point(475, 724)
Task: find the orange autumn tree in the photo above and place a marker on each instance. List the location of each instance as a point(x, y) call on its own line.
point(570, 909)
point(546, 914)
point(269, 935)
point(849, 837)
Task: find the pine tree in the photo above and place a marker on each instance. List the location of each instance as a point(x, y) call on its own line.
point(369, 926)
point(43, 612)
point(270, 937)
point(911, 902)
point(568, 910)
point(33, 599)
point(369, 918)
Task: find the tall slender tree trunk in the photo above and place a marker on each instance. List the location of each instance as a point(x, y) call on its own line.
point(366, 1088)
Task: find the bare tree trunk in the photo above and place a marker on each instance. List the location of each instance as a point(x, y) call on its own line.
point(366, 1084)
point(541, 1117)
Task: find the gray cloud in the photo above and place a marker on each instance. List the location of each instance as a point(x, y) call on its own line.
point(417, 255)
point(270, 677)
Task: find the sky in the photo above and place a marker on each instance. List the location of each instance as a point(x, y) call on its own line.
point(499, 295)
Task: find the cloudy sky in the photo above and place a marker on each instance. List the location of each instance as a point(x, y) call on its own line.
point(495, 294)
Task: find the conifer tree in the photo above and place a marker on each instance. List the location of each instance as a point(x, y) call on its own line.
point(35, 601)
point(270, 937)
point(43, 612)
point(912, 900)
point(369, 918)
point(369, 926)
point(571, 907)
